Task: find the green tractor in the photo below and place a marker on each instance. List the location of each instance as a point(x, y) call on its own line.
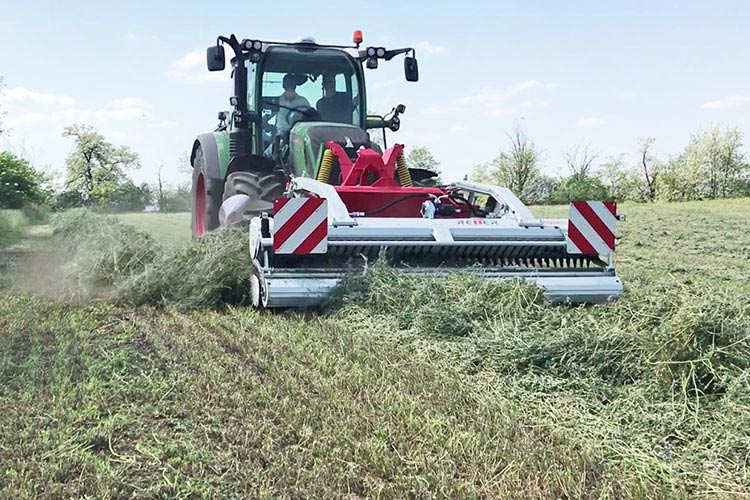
point(290, 99)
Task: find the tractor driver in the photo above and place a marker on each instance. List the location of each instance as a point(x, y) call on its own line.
point(335, 106)
point(289, 102)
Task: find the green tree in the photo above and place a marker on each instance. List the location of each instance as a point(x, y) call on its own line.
point(2, 113)
point(720, 160)
point(20, 184)
point(176, 199)
point(127, 197)
point(649, 166)
point(518, 168)
point(622, 183)
point(96, 167)
point(421, 157)
point(712, 165)
point(580, 161)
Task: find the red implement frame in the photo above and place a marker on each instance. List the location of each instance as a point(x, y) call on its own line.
point(368, 161)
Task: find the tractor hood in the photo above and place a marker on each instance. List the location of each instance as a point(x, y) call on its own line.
point(308, 138)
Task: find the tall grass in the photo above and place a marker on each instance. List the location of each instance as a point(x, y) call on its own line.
point(208, 272)
point(105, 250)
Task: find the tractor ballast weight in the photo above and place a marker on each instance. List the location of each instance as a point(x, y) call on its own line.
point(324, 201)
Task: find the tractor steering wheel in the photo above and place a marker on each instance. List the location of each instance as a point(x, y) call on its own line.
point(308, 114)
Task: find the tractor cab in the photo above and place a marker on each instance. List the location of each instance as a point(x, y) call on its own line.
point(306, 96)
point(290, 101)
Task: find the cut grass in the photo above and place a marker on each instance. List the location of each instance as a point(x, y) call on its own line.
point(117, 403)
point(403, 388)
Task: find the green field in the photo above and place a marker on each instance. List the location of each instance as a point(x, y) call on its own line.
point(406, 390)
point(172, 229)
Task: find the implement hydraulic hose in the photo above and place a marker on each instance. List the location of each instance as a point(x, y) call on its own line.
point(324, 172)
point(394, 202)
point(404, 177)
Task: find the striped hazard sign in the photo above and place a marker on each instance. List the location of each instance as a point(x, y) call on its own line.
point(300, 225)
point(591, 227)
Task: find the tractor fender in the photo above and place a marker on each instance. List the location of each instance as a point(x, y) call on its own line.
point(207, 143)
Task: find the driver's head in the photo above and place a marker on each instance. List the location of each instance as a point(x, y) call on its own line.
point(290, 85)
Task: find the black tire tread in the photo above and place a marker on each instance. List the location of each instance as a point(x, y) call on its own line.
point(258, 186)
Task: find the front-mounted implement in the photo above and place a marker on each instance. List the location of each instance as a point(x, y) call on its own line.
point(318, 233)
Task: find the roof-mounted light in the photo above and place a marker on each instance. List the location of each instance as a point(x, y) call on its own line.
point(252, 44)
point(306, 39)
point(357, 37)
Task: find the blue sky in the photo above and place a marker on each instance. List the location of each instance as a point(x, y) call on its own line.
point(598, 73)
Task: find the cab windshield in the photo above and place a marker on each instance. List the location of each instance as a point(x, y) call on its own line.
point(308, 84)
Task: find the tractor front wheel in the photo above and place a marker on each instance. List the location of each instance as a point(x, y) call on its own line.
point(261, 188)
point(205, 199)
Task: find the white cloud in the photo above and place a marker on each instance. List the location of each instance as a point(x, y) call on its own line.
point(383, 84)
point(130, 36)
point(165, 125)
point(191, 69)
point(431, 48)
point(127, 102)
point(126, 119)
point(22, 95)
point(498, 101)
point(590, 122)
point(22, 109)
point(733, 101)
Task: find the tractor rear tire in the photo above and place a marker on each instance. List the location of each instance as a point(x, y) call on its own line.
point(257, 186)
point(205, 198)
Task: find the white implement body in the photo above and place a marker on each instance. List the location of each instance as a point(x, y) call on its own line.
point(508, 243)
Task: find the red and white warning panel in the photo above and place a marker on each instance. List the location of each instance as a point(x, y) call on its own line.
point(591, 227)
point(300, 226)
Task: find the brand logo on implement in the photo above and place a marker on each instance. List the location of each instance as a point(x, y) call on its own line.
point(591, 227)
point(476, 222)
point(300, 226)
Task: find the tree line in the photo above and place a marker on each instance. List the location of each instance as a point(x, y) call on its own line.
point(96, 176)
point(714, 164)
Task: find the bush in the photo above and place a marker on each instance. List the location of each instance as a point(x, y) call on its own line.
point(19, 182)
point(12, 225)
point(579, 187)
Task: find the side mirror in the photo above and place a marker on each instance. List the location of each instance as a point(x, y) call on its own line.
point(400, 109)
point(411, 69)
point(215, 58)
